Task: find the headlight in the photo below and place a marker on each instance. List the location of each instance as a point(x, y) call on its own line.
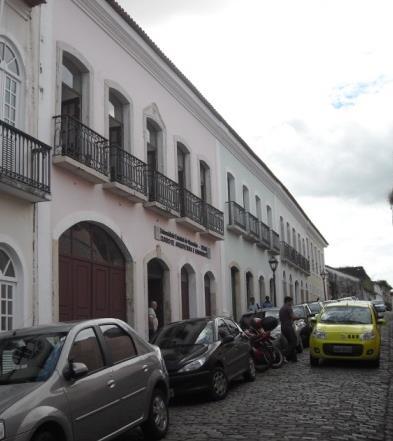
point(194, 365)
point(368, 336)
point(2, 430)
point(320, 334)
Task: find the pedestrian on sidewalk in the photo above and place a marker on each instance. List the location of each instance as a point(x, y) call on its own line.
point(267, 303)
point(153, 320)
point(287, 318)
point(254, 307)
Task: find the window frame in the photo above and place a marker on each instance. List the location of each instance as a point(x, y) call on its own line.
point(107, 346)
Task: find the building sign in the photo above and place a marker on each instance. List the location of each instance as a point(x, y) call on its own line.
point(180, 242)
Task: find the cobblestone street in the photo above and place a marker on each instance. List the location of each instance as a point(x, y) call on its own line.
point(335, 401)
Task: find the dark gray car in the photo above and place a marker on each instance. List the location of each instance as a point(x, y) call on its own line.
point(89, 381)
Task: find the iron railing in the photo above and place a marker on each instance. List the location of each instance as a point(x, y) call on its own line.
point(128, 170)
point(214, 219)
point(264, 234)
point(237, 215)
point(294, 257)
point(79, 142)
point(252, 225)
point(163, 190)
point(24, 158)
point(191, 206)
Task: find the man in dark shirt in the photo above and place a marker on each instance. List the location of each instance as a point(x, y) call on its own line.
point(287, 318)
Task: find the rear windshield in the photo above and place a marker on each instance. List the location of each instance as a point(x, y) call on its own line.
point(272, 313)
point(29, 359)
point(346, 315)
point(185, 334)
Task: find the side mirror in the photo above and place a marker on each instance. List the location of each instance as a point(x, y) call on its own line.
point(228, 339)
point(381, 321)
point(313, 319)
point(75, 371)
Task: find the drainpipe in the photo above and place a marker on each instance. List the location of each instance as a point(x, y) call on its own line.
point(1, 10)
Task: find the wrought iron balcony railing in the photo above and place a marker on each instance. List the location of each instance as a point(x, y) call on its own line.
point(252, 226)
point(24, 159)
point(214, 219)
point(237, 215)
point(79, 142)
point(292, 256)
point(163, 190)
point(275, 242)
point(264, 234)
point(128, 170)
point(191, 206)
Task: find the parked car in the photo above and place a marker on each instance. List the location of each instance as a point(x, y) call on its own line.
point(379, 306)
point(205, 354)
point(346, 330)
point(89, 380)
point(304, 323)
point(315, 307)
point(276, 333)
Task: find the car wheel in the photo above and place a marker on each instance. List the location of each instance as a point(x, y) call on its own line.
point(44, 435)
point(314, 361)
point(156, 425)
point(219, 384)
point(250, 373)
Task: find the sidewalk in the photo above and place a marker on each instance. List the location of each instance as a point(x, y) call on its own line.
point(389, 398)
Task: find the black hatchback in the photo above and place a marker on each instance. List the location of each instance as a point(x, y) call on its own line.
point(205, 354)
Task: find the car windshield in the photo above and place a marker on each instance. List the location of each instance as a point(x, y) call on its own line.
point(185, 334)
point(346, 315)
point(30, 358)
point(314, 307)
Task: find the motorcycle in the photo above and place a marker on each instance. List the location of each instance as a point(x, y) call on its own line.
point(264, 353)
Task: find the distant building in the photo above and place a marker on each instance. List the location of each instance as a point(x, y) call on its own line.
point(383, 291)
point(340, 284)
point(365, 287)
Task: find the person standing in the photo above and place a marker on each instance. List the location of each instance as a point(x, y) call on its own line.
point(287, 318)
point(153, 320)
point(254, 307)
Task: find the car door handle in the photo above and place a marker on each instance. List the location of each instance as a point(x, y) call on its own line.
point(111, 384)
point(145, 367)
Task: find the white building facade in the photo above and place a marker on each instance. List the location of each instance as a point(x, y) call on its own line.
point(129, 206)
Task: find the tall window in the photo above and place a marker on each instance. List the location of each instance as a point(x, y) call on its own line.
point(116, 120)
point(262, 289)
point(246, 198)
point(153, 144)
point(231, 187)
point(258, 207)
point(204, 176)
point(7, 291)
point(183, 166)
point(299, 244)
point(282, 228)
point(288, 234)
point(284, 284)
point(10, 82)
point(249, 286)
point(269, 216)
point(290, 286)
point(294, 238)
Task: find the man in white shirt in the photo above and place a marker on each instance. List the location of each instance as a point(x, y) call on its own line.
point(254, 307)
point(153, 320)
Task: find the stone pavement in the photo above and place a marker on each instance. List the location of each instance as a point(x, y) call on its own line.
point(335, 401)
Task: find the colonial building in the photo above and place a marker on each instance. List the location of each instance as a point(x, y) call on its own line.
point(115, 176)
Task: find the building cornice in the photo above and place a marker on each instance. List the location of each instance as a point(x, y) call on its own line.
point(151, 58)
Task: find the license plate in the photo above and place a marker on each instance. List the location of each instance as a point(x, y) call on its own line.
point(343, 349)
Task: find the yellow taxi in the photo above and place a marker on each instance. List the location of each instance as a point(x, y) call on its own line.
point(346, 330)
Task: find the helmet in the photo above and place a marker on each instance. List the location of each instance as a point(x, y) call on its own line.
point(256, 323)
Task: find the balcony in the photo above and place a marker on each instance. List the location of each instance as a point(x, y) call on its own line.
point(80, 150)
point(164, 195)
point(274, 243)
point(128, 175)
point(33, 3)
point(24, 165)
point(191, 211)
point(214, 222)
point(264, 236)
point(252, 228)
point(237, 218)
point(292, 257)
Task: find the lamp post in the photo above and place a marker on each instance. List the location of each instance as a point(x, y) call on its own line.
point(273, 262)
point(324, 274)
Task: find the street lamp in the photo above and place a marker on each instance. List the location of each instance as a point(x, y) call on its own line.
point(273, 262)
point(324, 274)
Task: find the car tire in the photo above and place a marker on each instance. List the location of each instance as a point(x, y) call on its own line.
point(251, 373)
point(156, 426)
point(219, 384)
point(314, 361)
point(44, 435)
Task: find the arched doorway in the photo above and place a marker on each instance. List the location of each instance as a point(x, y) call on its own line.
point(185, 294)
point(157, 286)
point(296, 292)
point(210, 296)
point(235, 289)
point(249, 287)
point(8, 283)
point(91, 274)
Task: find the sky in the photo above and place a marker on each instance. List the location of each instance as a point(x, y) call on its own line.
point(309, 85)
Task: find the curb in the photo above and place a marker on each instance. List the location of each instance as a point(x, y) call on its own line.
point(389, 397)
